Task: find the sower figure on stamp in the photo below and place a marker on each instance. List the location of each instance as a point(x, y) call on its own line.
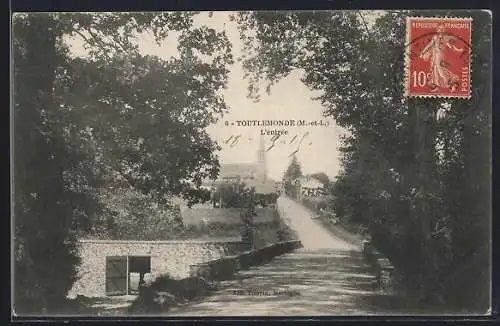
point(441, 75)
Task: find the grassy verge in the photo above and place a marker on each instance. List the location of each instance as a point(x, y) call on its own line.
point(353, 234)
point(339, 232)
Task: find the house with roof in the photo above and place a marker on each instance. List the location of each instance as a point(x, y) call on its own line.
point(252, 175)
point(310, 187)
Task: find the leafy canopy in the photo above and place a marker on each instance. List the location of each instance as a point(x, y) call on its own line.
point(113, 119)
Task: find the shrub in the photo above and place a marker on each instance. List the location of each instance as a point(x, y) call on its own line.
point(165, 292)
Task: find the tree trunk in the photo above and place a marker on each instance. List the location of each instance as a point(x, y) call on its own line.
point(39, 216)
point(424, 179)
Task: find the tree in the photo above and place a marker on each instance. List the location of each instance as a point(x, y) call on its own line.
point(229, 195)
point(144, 119)
point(247, 215)
point(294, 170)
point(393, 178)
point(290, 177)
point(117, 116)
point(238, 195)
point(132, 215)
point(42, 204)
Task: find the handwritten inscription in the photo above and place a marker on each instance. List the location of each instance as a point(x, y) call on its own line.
point(297, 141)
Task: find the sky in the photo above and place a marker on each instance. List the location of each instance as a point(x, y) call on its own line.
point(289, 100)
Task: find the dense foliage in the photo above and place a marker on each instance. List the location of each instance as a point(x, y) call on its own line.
point(112, 121)
point(420, 185)
point(238, 195)
point(292, 173)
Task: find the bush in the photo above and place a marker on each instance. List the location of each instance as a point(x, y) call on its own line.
point(165, 292)
point(284, 233)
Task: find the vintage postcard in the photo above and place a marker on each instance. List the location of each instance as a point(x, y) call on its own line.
point(284, 163)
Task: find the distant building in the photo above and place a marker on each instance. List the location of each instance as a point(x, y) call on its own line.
point(255, 173)
point(310, 187)
point(251, 174)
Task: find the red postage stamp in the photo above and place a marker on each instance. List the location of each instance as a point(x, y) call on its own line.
point(438, 57)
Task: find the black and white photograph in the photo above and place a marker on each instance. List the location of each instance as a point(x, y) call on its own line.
point(251, 163)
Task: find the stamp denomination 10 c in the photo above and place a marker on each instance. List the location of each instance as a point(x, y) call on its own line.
point(438, 57)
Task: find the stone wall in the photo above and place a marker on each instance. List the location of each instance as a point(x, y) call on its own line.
point(386, 273)
point(225, 267)
point(172, 257)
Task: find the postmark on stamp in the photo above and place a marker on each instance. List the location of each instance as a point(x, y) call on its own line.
point(438, 57)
